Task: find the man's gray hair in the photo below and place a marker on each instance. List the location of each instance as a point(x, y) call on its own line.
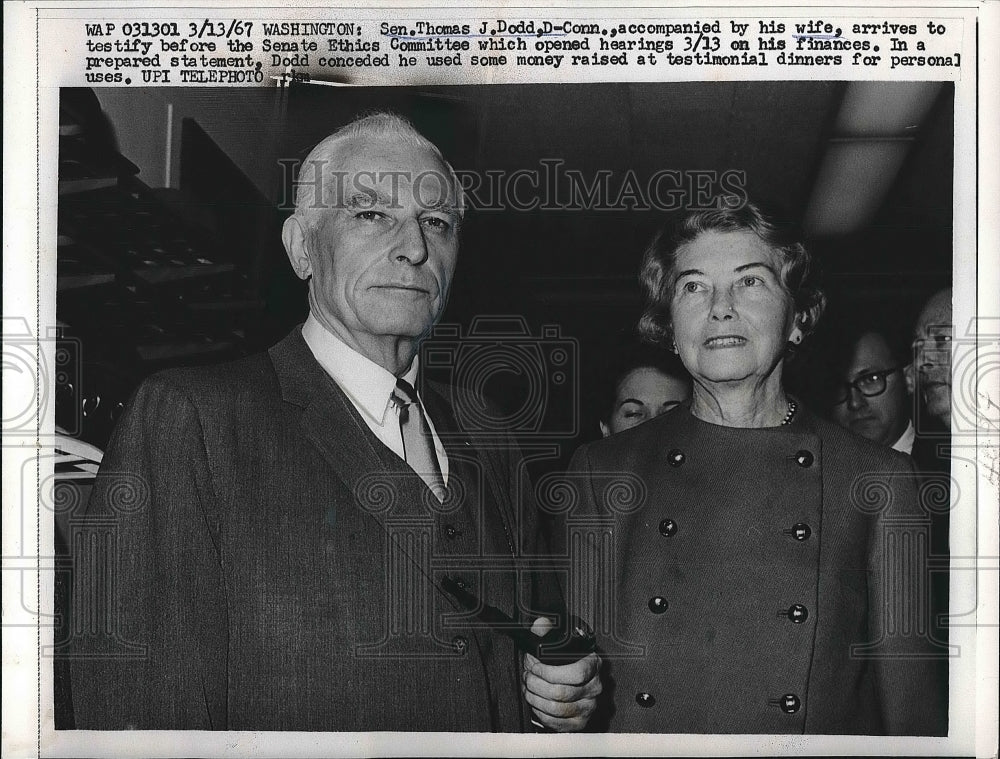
point(381, 125)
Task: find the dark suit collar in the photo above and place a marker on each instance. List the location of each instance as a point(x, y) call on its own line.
point(299, 373)
point(329, 420)
point(439, 405)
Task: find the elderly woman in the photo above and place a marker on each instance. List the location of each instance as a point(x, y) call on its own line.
point(752, 590)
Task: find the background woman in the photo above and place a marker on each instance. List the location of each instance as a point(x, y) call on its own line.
point(643, 382)
point(752, 586)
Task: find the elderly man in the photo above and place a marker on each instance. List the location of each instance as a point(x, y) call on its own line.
point(290, 518)
point(872, 398)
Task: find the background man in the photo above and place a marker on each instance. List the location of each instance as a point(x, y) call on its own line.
point(282, 524)
point(929, 378)
point(872, 398)
point(930, 373)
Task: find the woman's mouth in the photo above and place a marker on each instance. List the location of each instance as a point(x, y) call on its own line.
point(725, 341)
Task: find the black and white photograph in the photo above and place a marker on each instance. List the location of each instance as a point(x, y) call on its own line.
point(523, 277)
point(625, 417)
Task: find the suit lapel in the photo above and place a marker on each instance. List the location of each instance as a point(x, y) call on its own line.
point(329, 420)
point(331, 423)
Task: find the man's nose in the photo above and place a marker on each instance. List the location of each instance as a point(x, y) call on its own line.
point(410, 246)
point(855, 399)
point(722, 304)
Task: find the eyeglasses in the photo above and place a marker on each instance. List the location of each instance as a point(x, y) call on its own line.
point(869, 385)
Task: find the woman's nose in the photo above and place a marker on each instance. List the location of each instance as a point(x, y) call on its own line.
point(722, 305)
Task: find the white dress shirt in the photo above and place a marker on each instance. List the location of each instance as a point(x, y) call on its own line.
point(905, 442)
point(368, 386)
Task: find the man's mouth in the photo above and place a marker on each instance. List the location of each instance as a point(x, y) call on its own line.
point(725, 341)
point(404, 287)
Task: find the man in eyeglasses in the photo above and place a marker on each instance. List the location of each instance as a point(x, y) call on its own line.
point(871, 398)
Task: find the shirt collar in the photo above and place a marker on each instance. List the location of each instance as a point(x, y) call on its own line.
point(905, 442)
point(366, 384)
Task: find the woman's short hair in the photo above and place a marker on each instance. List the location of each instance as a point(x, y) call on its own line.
point(657, 273)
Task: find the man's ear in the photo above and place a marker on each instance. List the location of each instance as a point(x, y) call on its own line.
point(911, 380)
point(294, 237)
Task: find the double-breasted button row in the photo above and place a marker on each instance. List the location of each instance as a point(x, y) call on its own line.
point(804, 458)
point(799, 531)
point(789, 703)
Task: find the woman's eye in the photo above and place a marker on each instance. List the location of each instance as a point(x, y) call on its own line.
point(752, 281)
point(691, 287)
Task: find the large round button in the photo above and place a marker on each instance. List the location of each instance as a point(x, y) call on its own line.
point(658, 604)
point(804, 459)
point(451, 531)
point(676, 457)
point(460, 643)
point(668, 528)
point(645, 700)
point(789, 703)
point(801, 531)
point(798, 613)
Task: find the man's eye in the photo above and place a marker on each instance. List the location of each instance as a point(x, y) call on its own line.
point(369, 215)
point(437, 223)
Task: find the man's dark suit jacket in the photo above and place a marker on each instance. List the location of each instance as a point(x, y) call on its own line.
point(277, 566)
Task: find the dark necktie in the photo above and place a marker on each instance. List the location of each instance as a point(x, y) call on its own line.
point(418, 443)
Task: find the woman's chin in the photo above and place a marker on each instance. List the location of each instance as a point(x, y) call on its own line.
point(724, 373)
